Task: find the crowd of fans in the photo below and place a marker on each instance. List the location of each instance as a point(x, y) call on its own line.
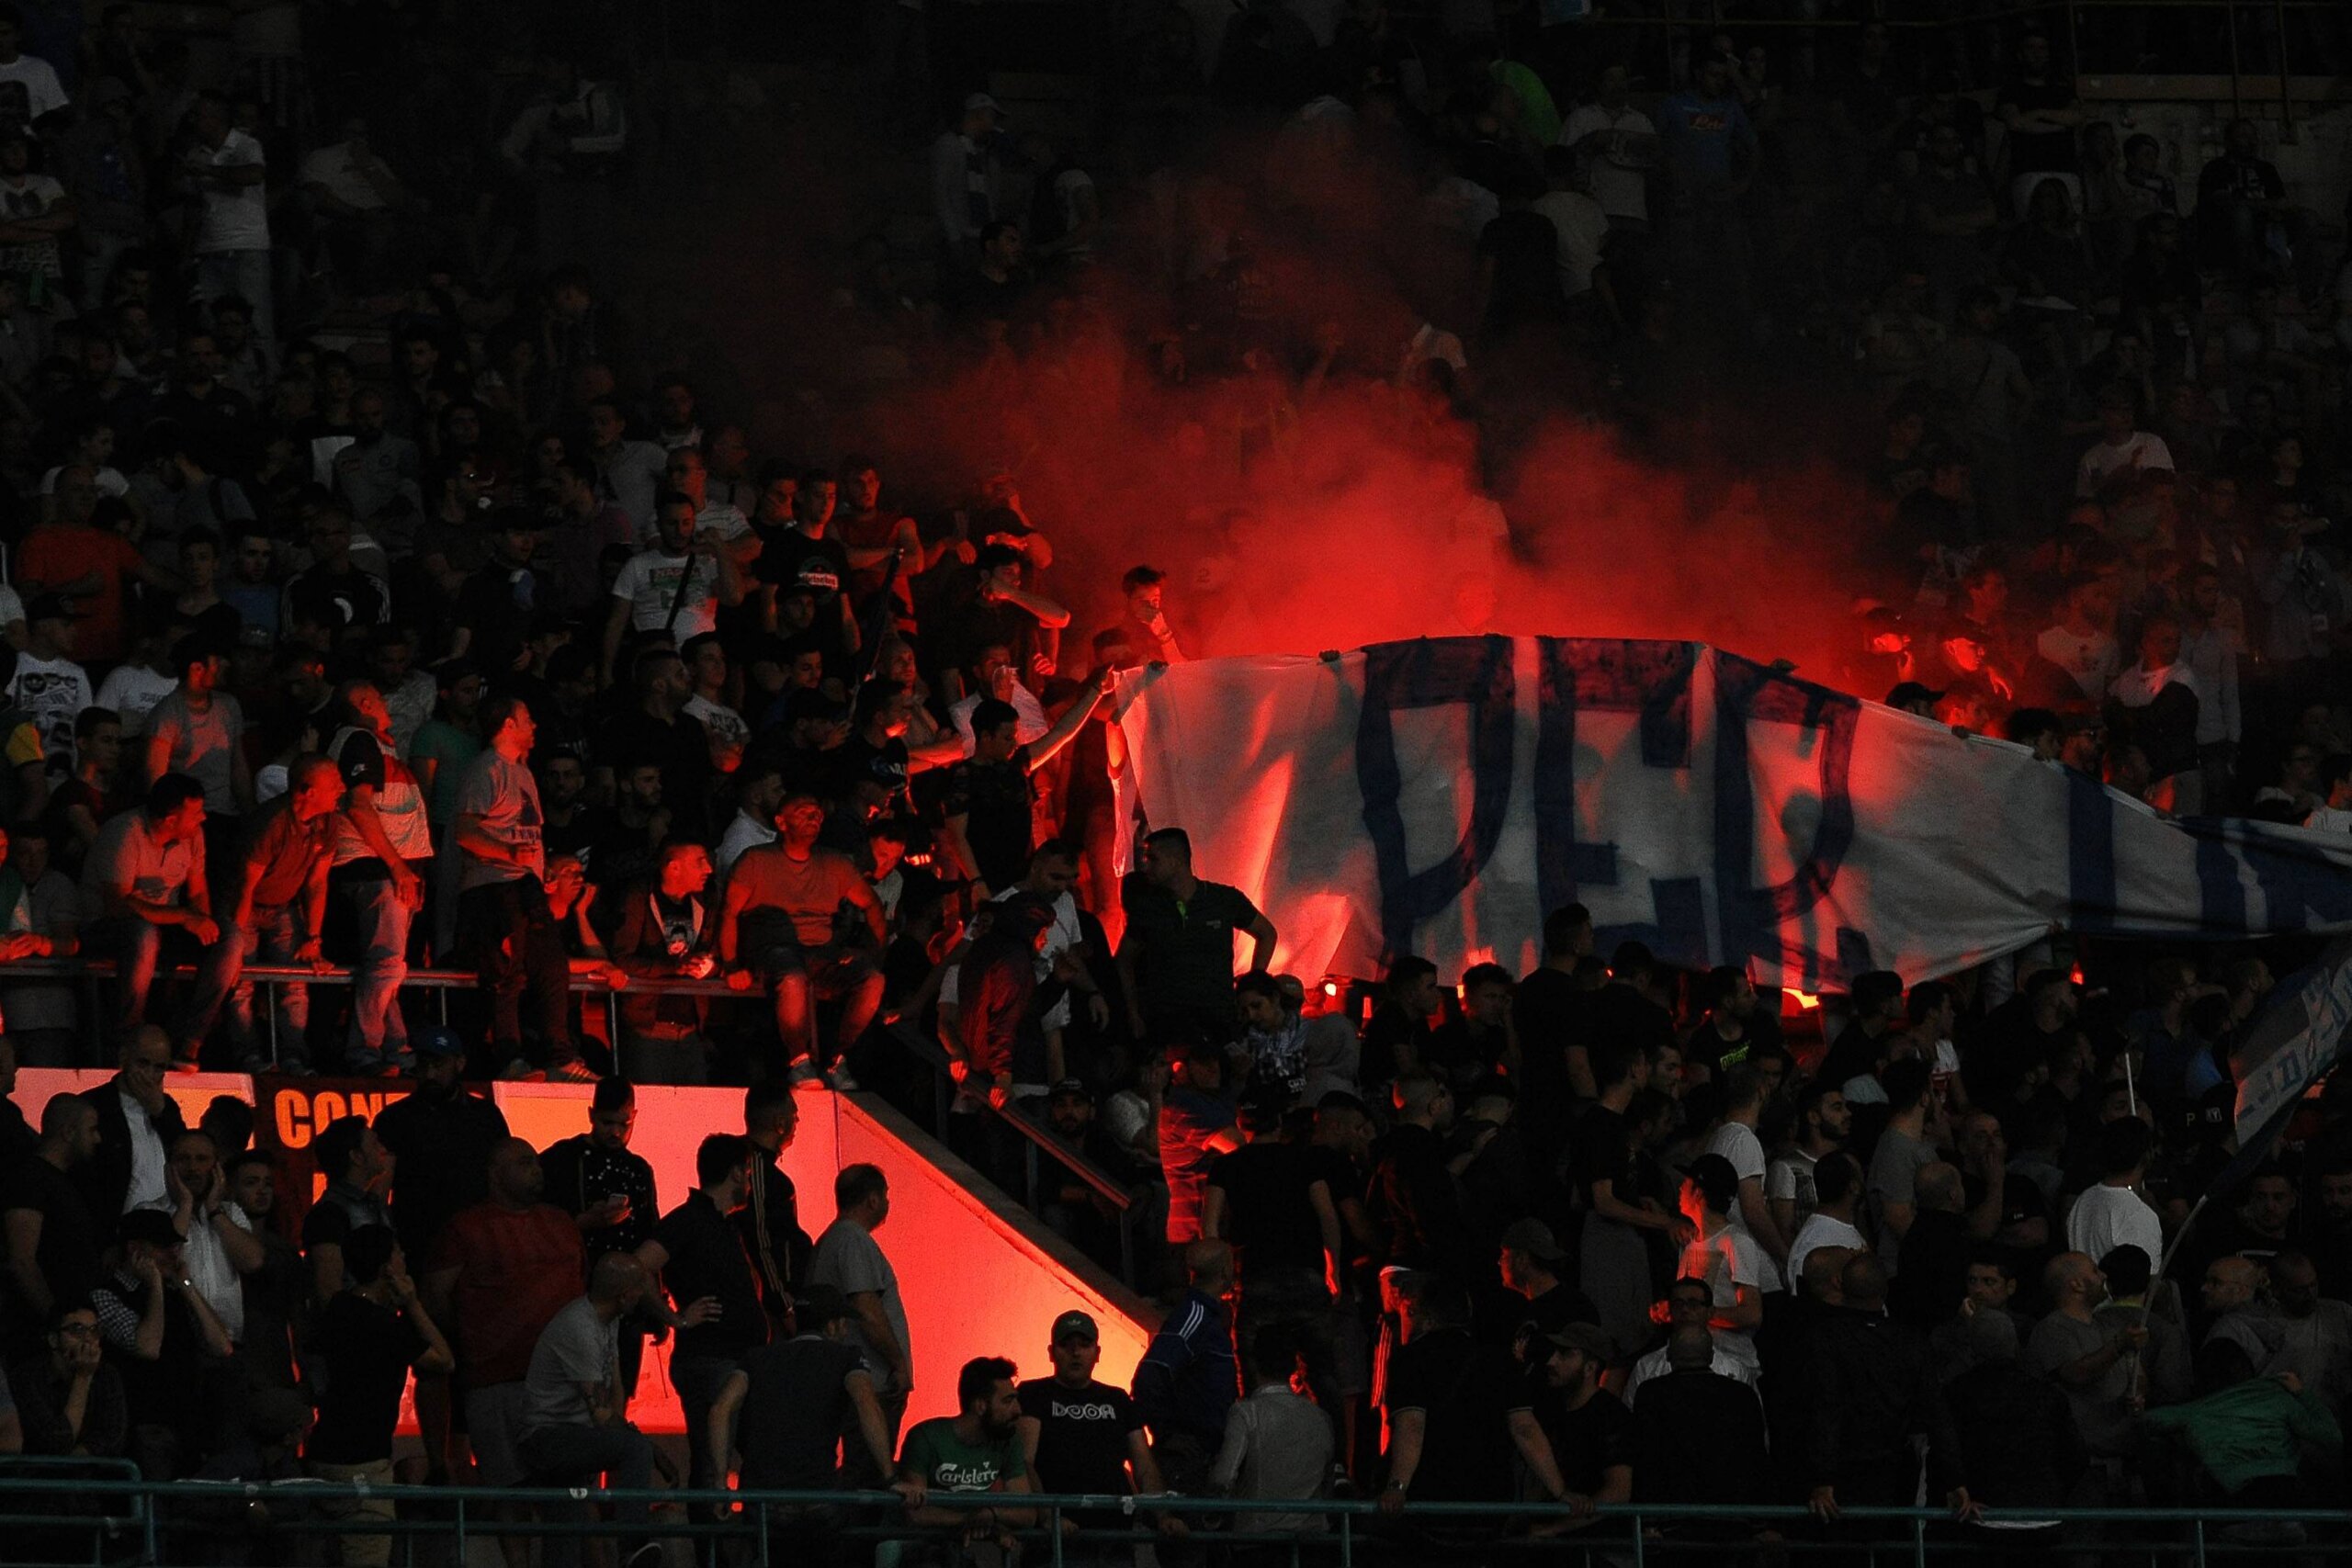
point(484, 643)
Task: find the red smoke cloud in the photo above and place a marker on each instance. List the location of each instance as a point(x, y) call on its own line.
point(1296, 512)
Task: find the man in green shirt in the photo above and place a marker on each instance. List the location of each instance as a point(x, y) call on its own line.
point(1176, 960)
point(978, 1451)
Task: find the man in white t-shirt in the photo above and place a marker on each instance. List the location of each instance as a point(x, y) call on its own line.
point(1618, 144)
point(2121, 452)
point(1837, 1188)
point(1690, 1302)
point(1578, 222)
point(1823, 1125)
point(706, 663)
point(675, 586)
point(35, 206)
point(29, 90)
point(2112, 1214)
point(758, 791)
point(1736, 1141)
point(2083, 644)
point(1727, 1257)
point(233, 230)
point(504, 922)
point(48, 684)
point(994, 676)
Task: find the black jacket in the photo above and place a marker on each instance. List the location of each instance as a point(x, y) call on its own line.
point(105, 1178)
point(1699, 1438)
point(1414, 1205)
point(1875, 1385)
point(2018, 1444)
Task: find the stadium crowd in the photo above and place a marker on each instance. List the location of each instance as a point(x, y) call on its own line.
point(482, 641)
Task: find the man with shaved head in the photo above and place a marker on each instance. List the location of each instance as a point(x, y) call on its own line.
point(2317, 1347)
point(2235, 1295)
point(1697, 1435)
point(1188, 1377)
point(504, 1267)
point(574, 1418)
point(2091, 1359)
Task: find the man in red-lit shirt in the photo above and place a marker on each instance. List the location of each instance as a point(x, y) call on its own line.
point(996, 983)
point(281, 907)
point(776, 929)
point(86, 564)
point(505, 1266)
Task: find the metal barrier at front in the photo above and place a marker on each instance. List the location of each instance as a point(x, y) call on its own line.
point(163, 1525)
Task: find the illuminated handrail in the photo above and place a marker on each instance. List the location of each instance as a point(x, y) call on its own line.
point(442, 978)
point(1126, 1503)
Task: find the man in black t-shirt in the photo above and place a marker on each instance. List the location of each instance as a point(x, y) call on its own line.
point(1269, 1200)
point(367, 1338)
point(1457, 1411)
point(805, 557)
point(1590, 1431)
point(1079, 1435)
point(1176, 959)
point(1553, 1019)
point(789, 1408)
point(609, 1192)
point(2239, 198)
point(659, 730)
point(2039, 111)
point(494, 605)
point(989, 814)
point(1272, 1200)
point(698, 1254)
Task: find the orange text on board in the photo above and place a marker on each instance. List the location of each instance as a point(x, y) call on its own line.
point(302, 1114)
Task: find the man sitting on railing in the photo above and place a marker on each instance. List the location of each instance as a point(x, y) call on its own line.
point(776, 929)
point(280, 907)
point(664, 933)
point(977, 1450)
point(575, 1412)
point(146, 877)
point(791, 1410)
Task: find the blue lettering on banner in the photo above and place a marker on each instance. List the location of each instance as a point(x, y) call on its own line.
point(1653, 681)
point(1751, 921)
point(2298, 892)
point(1475, 671)
point(2090, 854)
point(1788, 924)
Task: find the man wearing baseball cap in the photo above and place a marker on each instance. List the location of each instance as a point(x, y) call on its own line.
point(1592, 1430)
point(1079, 1435)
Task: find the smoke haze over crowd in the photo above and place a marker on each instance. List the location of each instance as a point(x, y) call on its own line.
point(1180, 411)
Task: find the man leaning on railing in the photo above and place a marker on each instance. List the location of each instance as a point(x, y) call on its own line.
point(977, 1450)
point(787, 1414)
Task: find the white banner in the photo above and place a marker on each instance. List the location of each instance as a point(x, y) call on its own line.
point(1438, 796)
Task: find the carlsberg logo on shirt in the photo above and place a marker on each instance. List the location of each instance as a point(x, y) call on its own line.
point(961, 1477)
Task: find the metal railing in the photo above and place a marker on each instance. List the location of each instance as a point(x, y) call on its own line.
point(50, 1483)
point(2266, 22)
point(1039, 1145)
point(156, 1522)
point(88, 972)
